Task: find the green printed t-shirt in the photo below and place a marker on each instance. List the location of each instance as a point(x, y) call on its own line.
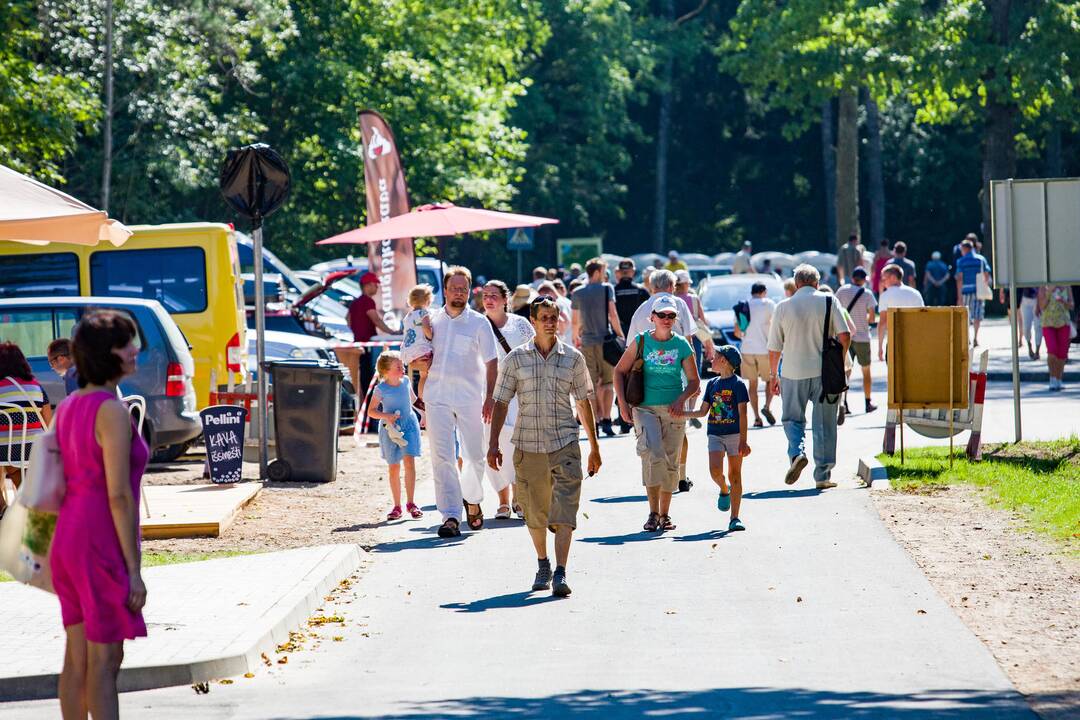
point(663, 368)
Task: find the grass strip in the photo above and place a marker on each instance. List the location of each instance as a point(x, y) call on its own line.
point(156, 558)
point(1039, 480)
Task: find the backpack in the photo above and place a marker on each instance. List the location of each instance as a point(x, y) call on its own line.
point(742, 315)
point(833, 376)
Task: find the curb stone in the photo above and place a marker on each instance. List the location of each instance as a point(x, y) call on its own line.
point(870, 469)
point(242, 655)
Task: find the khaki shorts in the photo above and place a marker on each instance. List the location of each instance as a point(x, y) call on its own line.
point(659, 445)
point(754, 366)
point(548, 486)
point(860, 351)
point(599, 371)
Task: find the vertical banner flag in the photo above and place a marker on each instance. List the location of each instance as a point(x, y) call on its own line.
point(387, 196)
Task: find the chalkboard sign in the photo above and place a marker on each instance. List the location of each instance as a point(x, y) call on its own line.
point(223, 434)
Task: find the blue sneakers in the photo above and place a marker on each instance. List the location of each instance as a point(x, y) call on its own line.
point(723, 503)
point(735, 525)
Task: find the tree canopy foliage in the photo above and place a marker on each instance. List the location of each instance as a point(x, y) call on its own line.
point(552, 106)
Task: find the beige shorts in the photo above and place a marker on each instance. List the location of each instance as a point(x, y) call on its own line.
point(599, 371)
point(659, 445)
point(754, 366)
point(548, 486)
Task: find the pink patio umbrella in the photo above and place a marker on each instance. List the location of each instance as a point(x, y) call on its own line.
point(436, 220)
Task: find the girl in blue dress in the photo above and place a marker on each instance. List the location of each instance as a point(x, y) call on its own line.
point(399, 430)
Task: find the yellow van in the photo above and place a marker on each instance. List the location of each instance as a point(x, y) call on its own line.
point(192, 269)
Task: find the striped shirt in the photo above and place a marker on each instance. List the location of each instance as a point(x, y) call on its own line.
point(14, 421)
point(543, 387)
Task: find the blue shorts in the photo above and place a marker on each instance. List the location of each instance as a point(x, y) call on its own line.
point(975, 306)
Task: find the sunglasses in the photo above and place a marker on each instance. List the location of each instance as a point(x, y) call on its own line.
point(666, 315)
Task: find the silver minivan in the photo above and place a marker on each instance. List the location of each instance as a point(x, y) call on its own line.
point(165, 365)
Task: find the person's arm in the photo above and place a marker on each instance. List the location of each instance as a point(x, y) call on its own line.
point(375, 412)
point(425, 325)
point(113, 431)
point(845, 340)
point(375, 318)
point(613, 318)
point(624, 366)
point(744, 448)
point(701, 412)
point(693, 384)
point(498, 418)
point(959, 288)
point(46, 413)
point(588, 421)
point(492, 369)
point(882, 331)
point(775, 346)
point(577, 329)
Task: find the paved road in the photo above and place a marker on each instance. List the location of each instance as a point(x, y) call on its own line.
point(814, 611)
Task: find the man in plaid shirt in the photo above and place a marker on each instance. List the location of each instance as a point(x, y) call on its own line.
point(544, 374)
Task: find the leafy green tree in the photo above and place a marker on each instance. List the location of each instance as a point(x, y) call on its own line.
point(42, 109)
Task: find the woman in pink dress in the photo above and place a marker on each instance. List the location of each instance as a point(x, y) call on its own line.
point(95, 556)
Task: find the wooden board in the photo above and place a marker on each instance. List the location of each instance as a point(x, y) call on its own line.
point(919, 358)
point(178, 511)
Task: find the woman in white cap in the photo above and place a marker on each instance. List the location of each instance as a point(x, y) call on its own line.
point(666, 359)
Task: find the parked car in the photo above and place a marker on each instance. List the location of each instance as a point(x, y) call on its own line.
point(698, 273)
point(691, 259)
point(166, 369)
point(428, 270)
point(720, 294)
point(291, 315)
point(293, 346)
point(192, 269)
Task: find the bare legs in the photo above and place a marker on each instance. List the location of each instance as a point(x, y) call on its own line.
point(410, 480)
point(659, 501)
point(733, 479)
point(563, 534)
point(605, 395)
point(754, 397)
point(88, 680)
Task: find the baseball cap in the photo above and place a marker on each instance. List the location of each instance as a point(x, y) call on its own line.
point(665, 303)
point(859, 272)
point(731, 354)
point(626, 264)
point(935, 255)
point(682, 276)
point(673, 254)
point(369, 277)
point(747, 243)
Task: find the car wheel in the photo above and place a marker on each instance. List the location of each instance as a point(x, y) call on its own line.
point(168, 453)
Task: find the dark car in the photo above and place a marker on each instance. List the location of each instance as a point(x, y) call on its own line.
point(165, 366)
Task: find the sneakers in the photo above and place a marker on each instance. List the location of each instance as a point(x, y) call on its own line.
point(723, 502)
point(543, 575)
point(870, 407)
point(685, 484)
point(841, 413)
point(735, 525)
point(605, 427)
point(824, 484)
point(559, 588)
point(624, 427)
point(798, 463)
point(695, 423)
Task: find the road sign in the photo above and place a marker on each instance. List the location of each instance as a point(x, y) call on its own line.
point(519, 238)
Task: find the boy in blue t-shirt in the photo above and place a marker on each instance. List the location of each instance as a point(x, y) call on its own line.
point(724, 403)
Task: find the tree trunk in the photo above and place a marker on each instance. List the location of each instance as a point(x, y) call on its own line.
point(663, 133)
point(847, 166)
point(1055, 163)
point(875, 175)
point(828, 162)
point(106, 151)
point(999, 131)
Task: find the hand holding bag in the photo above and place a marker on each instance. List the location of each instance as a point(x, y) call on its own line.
point(634, 390)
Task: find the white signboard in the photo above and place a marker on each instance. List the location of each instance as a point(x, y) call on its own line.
point(1036, 226)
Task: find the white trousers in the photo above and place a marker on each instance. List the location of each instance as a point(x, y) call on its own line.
point(450, 485)
point(500, 479)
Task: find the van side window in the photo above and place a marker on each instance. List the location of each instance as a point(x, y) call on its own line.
point(50, 274)
point(32, 329)
point(175, 277)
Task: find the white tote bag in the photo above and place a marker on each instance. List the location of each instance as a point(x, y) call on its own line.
point(43, 484)
point(982, 288)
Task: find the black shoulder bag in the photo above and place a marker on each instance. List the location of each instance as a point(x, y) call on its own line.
point(856, 298)
point(833, 377)
point(499, 336)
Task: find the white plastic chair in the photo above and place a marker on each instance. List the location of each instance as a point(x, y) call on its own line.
point(7, 486)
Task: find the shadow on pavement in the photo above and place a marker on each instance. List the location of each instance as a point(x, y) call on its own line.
point(431, 542)
point(501, 602)
point(757, 702)
point(639, 536)
point(710, 535)
point(620, 499)
point(805, 492)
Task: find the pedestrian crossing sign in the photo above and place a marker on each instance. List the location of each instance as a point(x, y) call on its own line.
point(519, 239)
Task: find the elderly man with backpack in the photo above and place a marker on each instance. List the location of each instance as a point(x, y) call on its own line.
point(812, 335)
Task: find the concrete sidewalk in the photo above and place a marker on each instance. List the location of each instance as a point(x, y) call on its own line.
point(813, 612)
point(205, 620)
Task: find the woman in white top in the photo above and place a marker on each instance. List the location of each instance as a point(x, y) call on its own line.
point(510, 331)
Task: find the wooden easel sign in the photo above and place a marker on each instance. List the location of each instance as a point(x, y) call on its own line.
point(928, 362)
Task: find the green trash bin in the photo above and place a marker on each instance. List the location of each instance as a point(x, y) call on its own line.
point(307, 412)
